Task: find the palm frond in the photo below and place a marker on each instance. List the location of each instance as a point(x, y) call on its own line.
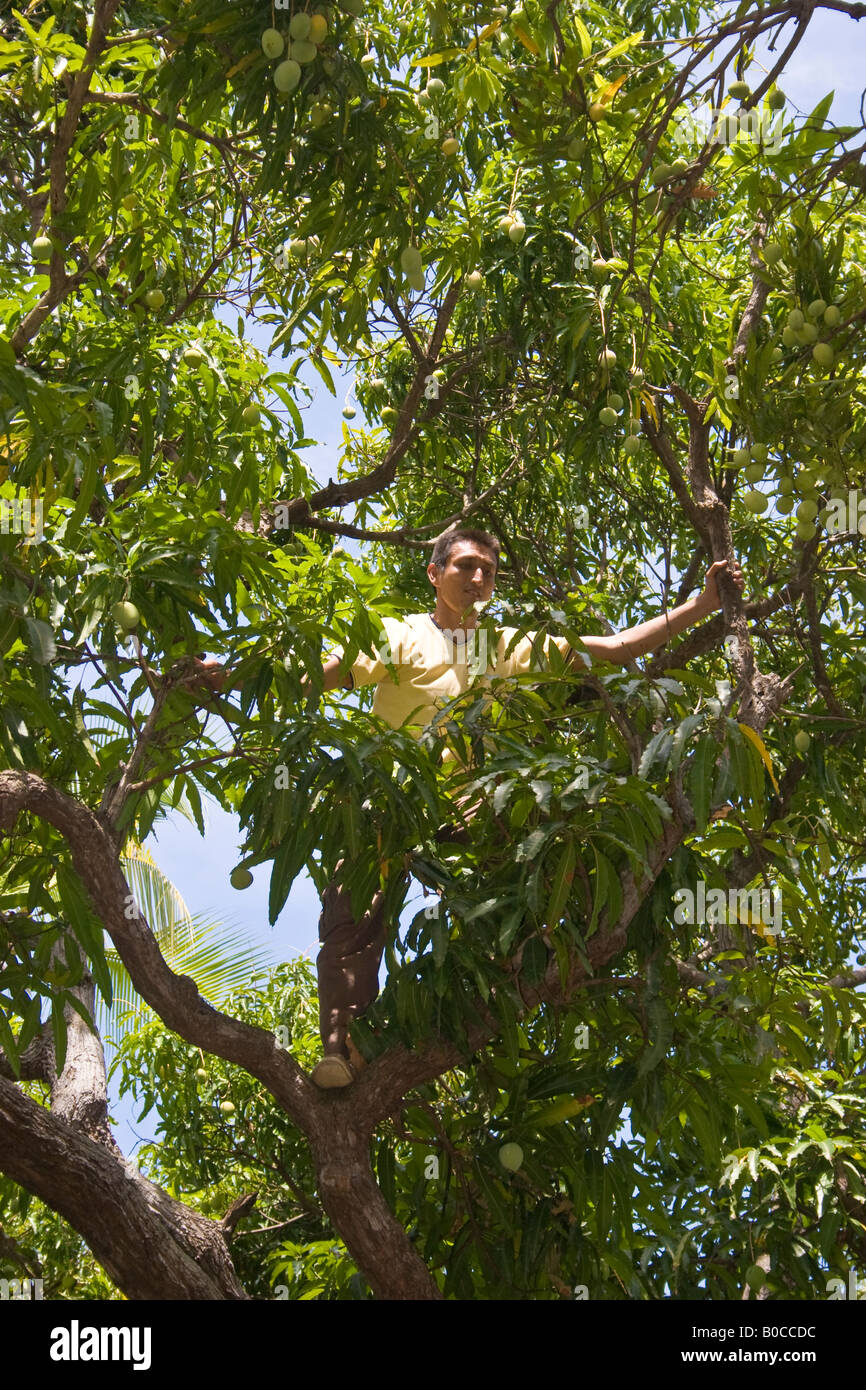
point(169, 917)
point(219, 960)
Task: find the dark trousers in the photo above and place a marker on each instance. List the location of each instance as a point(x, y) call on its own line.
point(350, 954)
point(347, 963)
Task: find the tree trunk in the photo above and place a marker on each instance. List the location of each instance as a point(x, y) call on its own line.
point(356, 1204)
point(149, 1244)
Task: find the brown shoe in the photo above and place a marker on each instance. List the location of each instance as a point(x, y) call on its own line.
point(332, 1071)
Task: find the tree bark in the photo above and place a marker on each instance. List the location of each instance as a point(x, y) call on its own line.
point(149, 1244)
point(79, 1094)
point(356, 1205)
point(89, 1191)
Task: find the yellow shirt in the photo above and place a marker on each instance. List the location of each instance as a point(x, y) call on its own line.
point(433, 666)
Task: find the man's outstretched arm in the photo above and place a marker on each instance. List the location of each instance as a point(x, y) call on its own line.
point(211, 675)
point(334, 675)
point(622, 647)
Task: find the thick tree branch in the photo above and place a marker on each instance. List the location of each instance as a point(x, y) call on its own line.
point(751, 317)
point(407, 536)
point(136, 103)
point(79, 1095)
point(661, 444)
point(760, 695)
point(822, 680)
point(175, 998)
point(354, 489)
point(150, 1245)
point(334, 1124)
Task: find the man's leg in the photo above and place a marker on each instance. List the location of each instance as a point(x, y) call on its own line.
point(349, 959)
point(348, 970)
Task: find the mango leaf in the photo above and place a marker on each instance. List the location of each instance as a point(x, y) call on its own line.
point(622, 47)
point(583, 36)
point(41, 640)
point(87, 928)
point(486, 32)
point(432, 60)
point(527, 40)
point(563, 876)
point(759, 744)
point(700, 780)
point(607, 93)
point(561, 1110)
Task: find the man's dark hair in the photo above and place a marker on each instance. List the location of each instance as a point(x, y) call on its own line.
point(446, 543)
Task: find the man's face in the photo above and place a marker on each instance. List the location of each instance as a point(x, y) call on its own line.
point(469, 575)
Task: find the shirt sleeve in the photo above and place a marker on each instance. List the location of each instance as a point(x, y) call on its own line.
point(520, 660)
point(369, 668)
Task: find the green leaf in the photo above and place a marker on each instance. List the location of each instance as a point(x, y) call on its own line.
point(321, 368)
point(535, 960)
point(608, 891)
point(700, 780)
point(681, 737)
point(88, 930)
point(58, 1032)
point(622, 47)
point(41, 640)
point(507, 1016)
point(9, 1045)
point(439, 936)
point(655, 750)
point(583, 37)
point(661, 1031)
point(432, 60)
point(86, 491)
point(529, 848)
point(80, 727)
point(560, 886)
point(510, 926)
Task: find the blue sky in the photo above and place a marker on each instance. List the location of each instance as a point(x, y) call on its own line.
point(832, 58)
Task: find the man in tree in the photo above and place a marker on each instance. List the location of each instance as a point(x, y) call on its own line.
point(434, 655)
